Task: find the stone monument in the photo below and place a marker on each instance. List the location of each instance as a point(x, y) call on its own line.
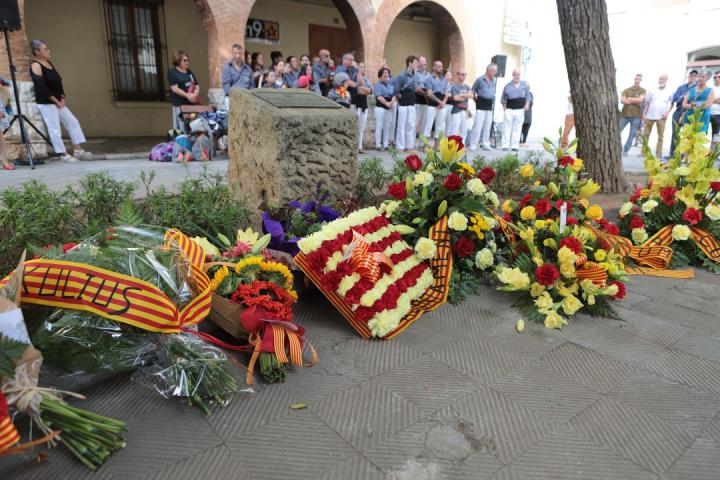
point(283, 142)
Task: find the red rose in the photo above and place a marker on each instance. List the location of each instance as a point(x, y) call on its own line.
point(525, 200)
point(547, 274)
point(566, 160)
point(487, 174)
point(463, 247)
point(667, 195)
point(621, 290)
point(611, 228)
point(637, 222)
point(397, 190)
point(458, 141)
point(692, 216)
point(571, 220)
point(413, 162)
point(572, 243)
point(715, 186)
point(452, 182)
point(543, 206)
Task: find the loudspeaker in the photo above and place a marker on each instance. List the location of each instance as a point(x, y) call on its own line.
point(10, 15)
point(501, 62)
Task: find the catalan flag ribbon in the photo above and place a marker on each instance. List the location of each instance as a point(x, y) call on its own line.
point(9, 435)
point(365, 262)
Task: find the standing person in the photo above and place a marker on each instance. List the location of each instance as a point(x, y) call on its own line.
point(50, 100)
point(699, 98)
point(279, 70)
point(632, 99)
point(678, 96)
point(443, 126)
point(361, 102)
point(657, 108)
point(405, 84)
point(292, 71)
point(461, 93)
point(528, 119)
point(384, 93)
point(484, 88)
point(715, 109)
point(236, 74)
point(321, 71)
point(258, 67)
point(569, 123)
point(437, 92)
point(5, 112)
point(421, 99)
point(514, 101)
point(184, 89)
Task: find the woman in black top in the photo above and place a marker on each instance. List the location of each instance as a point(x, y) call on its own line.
point(184, 88)
point(50, 100)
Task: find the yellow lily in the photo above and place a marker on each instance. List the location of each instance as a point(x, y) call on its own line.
point(450, 151)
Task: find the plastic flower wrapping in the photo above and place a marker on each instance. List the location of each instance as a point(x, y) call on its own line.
point(679, 207)
point(444, 184)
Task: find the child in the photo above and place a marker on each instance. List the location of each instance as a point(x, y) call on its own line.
point(340, 93)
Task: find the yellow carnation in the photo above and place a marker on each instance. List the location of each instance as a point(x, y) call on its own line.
point(553, 320)
point(680, 232)
point(536, 289)
point(528, 213)
point(514, 277)
point(527, 170)
point(625, 209)
point(425, 248)
point(544, 301)
point(713, 212)
point(476, 186)
point(594, 212)
point(639, 235)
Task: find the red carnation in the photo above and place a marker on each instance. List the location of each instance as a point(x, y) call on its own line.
point(452, 182)
point(637, 222)
point(667, 195)
point(604, 244)
point(715, 186)
point(572, 243)
point(636, 196)
point(567, 160)
point(547, 274)
point(458, 141)
point(397, 190)
point(611, 228)
point(525, 200)
point(621, 290)
point(413, 162)
point(571, 220)
point(487, 174)
point(692, 216)
point(559, 204)
point(463, 247)
point(543, 206)
point(507, 217)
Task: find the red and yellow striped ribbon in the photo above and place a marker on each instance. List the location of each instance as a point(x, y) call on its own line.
point(365, 262)
point(9, 435)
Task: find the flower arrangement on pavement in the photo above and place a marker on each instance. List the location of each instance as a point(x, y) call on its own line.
point(445, 184)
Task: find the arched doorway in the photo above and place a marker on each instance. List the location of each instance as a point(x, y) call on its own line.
point(705, 57)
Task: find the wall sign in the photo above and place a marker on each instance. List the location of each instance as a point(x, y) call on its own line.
point(262, 31)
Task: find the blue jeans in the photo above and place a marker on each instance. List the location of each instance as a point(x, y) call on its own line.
point(634, 125)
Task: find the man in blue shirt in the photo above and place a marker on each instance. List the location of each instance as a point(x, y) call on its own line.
point(461, 94)
point(438, 92)
point(677, 99)
point(484, 88)
point(321, 71)
point(514, 101)
point(421, 101)
point(236, 74)
point(405, 84)
point(384, 94)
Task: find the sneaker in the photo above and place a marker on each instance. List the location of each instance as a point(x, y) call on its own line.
point(66, 157)
point(80, 153)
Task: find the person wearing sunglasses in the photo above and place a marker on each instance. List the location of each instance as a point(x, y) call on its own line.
point(184, 88)
point(698, 100)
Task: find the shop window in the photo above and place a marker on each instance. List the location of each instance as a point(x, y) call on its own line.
point(135, 29)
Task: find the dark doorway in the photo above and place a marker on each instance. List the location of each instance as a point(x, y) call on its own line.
point(337, 40)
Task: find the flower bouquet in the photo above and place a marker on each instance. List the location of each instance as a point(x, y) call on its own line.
point(560, 269)
point(372, 276)
point(127, 301)
point(445, 185)
point(679, 207)
point(253, 297)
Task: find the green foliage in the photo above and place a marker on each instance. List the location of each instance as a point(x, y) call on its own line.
point(10, 350)
point(97, 200)
point(602, 308)
point(127, 215)
point(507, 181)
point(462, 285)
point(372, 178)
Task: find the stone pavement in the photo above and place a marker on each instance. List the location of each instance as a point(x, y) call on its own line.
point(459, 395)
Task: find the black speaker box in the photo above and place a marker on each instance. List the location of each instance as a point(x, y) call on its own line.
point(9, 15)
point(501, 62)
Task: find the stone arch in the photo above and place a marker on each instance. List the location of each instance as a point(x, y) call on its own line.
point(454, 24)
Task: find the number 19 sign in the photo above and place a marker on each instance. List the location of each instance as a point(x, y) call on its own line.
point(262, 31)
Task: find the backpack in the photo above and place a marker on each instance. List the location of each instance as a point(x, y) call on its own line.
point(182, 149)
point(201, 148)
point(162, 152)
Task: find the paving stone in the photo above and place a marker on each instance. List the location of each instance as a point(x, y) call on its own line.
point(617, 341)
point(216, 462)
point(568, 454)
point(480, 359)
point(686, 408)
point(367, 414)
point(700, 344)
point(662, 332)
point(299, 445)
point(645, 439)
point(355, 468)
point(632, 298)
point(378, 356)
point(324, 324)
point(431, 340)
point(428, 384)
point(474, 319)
point(685, 368)
point(587, 367)
point(548, 394)
point(533, 342)
point(664, 309)
point(713, 429)
point(699, 462)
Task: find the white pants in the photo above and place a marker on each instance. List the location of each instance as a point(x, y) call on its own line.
point(458, 124)
point(442, 121)
point(512, 126)
point(420, 114)
point(382, 127)
point(405, 138)
point(481, 129)
point(53, 116)
point(430, 114)
point(177, 122)
point(362, 120)
point(393, 121)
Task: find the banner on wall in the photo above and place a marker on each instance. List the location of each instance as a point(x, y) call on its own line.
point(262, 31)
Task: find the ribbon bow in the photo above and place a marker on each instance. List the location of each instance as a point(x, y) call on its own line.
point(363, 261)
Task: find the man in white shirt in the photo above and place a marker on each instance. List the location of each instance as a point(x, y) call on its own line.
point(658, 104)
point(715, 109)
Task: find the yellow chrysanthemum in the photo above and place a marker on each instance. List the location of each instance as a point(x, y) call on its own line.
point(466, 169)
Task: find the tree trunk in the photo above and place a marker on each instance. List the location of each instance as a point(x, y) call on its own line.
point(591, 71)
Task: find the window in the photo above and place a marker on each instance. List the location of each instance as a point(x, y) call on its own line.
point(134, 39)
